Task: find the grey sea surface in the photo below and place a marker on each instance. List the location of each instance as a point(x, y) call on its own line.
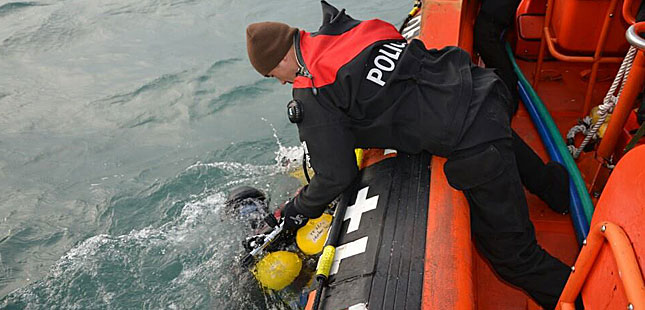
point(123, 125)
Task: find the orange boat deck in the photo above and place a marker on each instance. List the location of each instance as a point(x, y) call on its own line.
point(563, 96)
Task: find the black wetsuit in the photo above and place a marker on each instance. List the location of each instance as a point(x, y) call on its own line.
point(495, 16)
point(364, 86)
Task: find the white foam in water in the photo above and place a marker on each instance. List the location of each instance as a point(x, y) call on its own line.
point(287, 158)
point(192, 230)
point(173, 232)
point(237, 168)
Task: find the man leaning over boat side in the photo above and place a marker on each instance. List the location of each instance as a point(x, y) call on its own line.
point(359, 84)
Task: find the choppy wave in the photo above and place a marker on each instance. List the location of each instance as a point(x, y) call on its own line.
point(12, 7)
point(131, 109)
point(245, 91)
point(164, 82)
point(59, 29)
point(206, 85)
point(147, 7)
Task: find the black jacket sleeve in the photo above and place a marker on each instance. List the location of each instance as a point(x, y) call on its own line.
point(330, 143)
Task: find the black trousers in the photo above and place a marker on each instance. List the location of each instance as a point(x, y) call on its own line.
point(491, 178)
point(501, 228)
point(494, 17)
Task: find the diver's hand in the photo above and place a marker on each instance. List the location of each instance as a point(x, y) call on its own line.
point(292, 218)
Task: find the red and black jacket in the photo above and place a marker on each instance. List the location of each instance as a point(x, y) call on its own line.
point(362, 85)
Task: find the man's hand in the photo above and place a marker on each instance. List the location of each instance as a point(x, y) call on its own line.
point(292, 219)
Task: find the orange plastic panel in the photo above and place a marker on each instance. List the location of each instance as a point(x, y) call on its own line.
point(623, 203)
point(448, 272)
point(530, 26)
point(447, 276)
point(530, 15)
point(577, 25)
point(448, 23)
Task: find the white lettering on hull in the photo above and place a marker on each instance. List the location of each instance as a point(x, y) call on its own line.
point(361, 306)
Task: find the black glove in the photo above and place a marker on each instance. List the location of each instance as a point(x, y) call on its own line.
point(292, 218)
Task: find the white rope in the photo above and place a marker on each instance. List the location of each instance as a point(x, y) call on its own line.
point(610, 100)
point(582, 127)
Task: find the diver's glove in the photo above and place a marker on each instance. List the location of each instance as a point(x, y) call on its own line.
point(292, 218)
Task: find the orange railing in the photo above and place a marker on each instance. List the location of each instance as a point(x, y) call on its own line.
point(627, 12)
point(547, 41)
point(628, 268)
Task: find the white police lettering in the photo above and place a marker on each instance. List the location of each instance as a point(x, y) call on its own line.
point(389, 64)
point(376, 76)
point(362, 205)
point(388, 54)
point(399, 45)
point(413, 28)
point(384, 62)
point(392, 47)
point(348, 250)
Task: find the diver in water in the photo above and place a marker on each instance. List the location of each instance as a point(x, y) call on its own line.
point(360, 84)
point(249, 205)
point(283, 268)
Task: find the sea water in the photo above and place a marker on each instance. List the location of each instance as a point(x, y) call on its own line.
point(123, 126)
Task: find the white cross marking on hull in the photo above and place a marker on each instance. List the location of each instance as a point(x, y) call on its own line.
point(362, 205)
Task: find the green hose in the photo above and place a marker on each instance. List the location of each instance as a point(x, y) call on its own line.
point(569, 163)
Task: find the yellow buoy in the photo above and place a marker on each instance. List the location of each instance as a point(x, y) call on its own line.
point(594, 119)
point(311, 237)
point(278, 269)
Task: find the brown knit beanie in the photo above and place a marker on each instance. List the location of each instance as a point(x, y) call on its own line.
point(267, 43)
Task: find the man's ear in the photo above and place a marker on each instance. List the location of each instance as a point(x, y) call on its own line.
point(284, 62)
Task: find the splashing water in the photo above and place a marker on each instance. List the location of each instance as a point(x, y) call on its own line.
point(189, 262)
